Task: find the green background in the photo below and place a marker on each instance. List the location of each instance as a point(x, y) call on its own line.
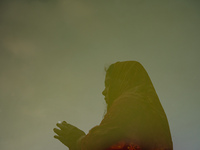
point(53, 54)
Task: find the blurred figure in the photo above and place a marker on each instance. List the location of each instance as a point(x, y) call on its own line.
point(135, 119)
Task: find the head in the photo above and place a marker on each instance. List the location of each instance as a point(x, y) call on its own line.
point(122, 77)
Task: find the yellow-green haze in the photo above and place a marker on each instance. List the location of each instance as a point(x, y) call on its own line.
point(53, 54)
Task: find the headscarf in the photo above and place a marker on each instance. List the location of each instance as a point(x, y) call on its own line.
point(135, 117)
point(128, 76)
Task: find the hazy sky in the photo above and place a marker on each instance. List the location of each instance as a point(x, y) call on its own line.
point(53, 54)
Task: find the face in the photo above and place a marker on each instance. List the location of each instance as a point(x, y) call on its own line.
point(106, 90)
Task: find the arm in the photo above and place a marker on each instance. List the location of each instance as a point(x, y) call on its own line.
point(115, 126)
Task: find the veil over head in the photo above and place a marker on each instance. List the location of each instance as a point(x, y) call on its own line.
point(129, 77)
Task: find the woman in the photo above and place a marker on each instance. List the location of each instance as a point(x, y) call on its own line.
point(135, 119)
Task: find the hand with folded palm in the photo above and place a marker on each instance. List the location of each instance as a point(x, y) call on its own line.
point(68, 135)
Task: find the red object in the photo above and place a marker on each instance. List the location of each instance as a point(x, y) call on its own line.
point(124, 146)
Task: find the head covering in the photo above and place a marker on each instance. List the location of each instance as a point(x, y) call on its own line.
point(129, 77)
point(130, 73)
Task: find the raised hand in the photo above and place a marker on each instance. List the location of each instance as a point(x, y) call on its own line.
point(68, 135)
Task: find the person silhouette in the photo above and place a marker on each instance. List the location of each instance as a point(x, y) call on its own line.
point(135, 118)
